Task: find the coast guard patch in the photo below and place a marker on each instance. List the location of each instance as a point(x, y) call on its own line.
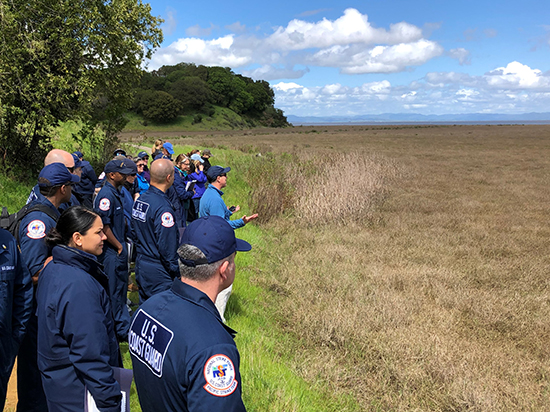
point(36, 229)
point(104, 204)
point(219, 374)
point(148, 341)
point(167, 219)
point(139, 210)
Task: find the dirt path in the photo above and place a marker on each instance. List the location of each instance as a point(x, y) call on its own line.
point(11, 400)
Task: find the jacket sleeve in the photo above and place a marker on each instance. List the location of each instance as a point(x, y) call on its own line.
point(22, 300)
point(166, 232)
point(90, 174)
point(218, 208)
point(199, 176)
point(34, 250)
point(179, 185)
point(215, 381)
point(89, 343)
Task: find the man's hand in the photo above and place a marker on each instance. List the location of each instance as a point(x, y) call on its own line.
point(247, 219)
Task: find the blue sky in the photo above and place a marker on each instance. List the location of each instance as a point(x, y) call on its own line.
point(348, 58)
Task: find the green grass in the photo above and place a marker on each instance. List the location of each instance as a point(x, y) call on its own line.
point(222, 119)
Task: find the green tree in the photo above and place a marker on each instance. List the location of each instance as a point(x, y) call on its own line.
point(192, 92)
point(160, 107)
point(62, 60)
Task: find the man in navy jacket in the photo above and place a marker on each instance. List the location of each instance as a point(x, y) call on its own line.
point(156, 234)
point(184, 358)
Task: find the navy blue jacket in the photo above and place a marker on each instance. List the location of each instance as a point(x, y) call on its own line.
point(184, 357)
point(15, 290)
point(88, 180)
point(156, 236)
point(110, 207)
point(32, 230)
point(77, 346)
point(179, 197)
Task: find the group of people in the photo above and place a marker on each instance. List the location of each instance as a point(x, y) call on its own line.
point(65, 281)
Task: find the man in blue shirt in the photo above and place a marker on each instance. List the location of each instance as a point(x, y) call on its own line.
point(212, 203)
point(54, 183)
point(184, 358)
point(109, 205)
point(155, 233)
point(15, 307)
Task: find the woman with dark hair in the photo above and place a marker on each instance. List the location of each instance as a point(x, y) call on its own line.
point(77, 346)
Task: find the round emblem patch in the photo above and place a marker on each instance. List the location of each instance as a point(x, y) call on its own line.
point(36, 229)
point(104, 204)
point(167, 219)
point(219, 374)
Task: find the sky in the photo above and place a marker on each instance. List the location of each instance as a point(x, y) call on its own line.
point(343, 58)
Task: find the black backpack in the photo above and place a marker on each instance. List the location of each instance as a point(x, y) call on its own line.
point(13, 221)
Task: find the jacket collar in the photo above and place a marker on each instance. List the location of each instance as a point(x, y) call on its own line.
point(193, 295)
point(215, 188)
point(82, 260)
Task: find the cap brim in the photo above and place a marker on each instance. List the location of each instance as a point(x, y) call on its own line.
point(75, 178)
point(243, 245)
point(227, 169)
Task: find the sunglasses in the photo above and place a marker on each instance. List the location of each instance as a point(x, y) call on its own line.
point(71, 169)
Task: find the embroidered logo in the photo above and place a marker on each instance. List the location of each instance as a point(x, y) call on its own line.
point(36, 229)
point(219, 374)
point(149, 340)
point(104, 204)
point(167, 219)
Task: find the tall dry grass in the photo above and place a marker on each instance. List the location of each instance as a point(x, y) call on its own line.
point(439, 300)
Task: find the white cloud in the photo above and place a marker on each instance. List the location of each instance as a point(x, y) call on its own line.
point(236, 27)
point(268, 72)
point(515, 88)
point(170, 21)
point(349, 43)
point(516, 75)
point(198, 31)
point(461, 54)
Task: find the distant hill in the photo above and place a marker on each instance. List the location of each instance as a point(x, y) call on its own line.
point(420, 118)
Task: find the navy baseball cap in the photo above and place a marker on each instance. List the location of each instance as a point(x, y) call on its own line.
point(168, 146)
point(79, 154)
point(77, 161)
point(216, 171)
point(141, 155)
point(119, 166)
point(214, 237)
point(130, 164)
point(56, 174)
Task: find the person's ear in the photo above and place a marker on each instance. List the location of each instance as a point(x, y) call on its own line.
point(223, 270)
point(77, 239)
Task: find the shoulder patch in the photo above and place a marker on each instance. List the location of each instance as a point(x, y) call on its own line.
point(36, 229)
point(139, 210)
point(148, 341)
point(167, 219)
point(104, 204)
point(219, 374)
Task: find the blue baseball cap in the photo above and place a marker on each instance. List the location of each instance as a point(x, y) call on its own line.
point(196, 156)
point(119, 152)
point(79, 154)
point(119, 166)
point(168, 146)
point(77, 161)
point(214, 237)
point(141, 155)
point(56, 174)
point(216, 171)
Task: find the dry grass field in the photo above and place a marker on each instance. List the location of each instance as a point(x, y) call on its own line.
point(412, 262)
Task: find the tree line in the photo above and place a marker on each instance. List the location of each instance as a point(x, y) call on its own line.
point(186, 88)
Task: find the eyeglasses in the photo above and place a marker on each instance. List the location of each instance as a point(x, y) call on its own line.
point(140, 165)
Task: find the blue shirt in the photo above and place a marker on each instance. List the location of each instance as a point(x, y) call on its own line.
point(184, 358)
point(32, 231)
point(109, 206)
point(15, 290)
point(155, 231)
point(212, 204)
point(77, 346)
